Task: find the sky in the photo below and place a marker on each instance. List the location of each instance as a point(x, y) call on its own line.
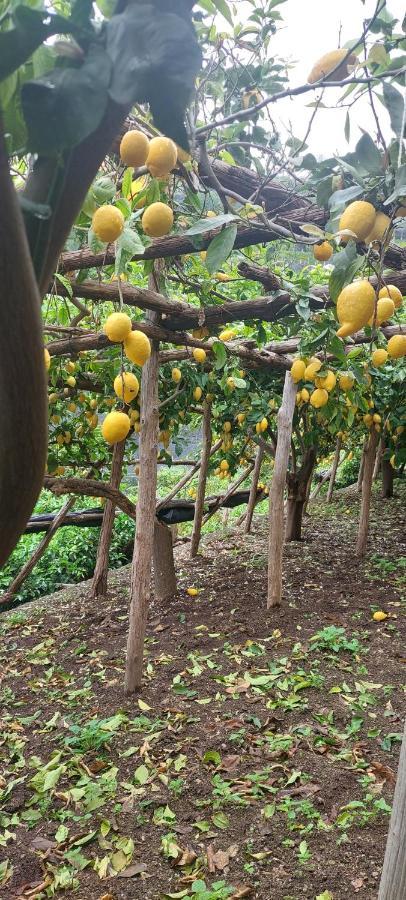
point(310, 29)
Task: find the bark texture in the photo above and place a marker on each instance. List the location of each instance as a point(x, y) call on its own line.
point(163, 562)
point(298, 483)
point(99, 582)
point(369, 463)
point(253, 490)
point(393, 880)
point(276, 495)
point(201, 489)
point(333, 474)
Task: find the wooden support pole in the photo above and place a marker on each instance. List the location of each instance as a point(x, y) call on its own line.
point(334, 470)
point(163, 562)
point(201, 488)
point(393, 880)
point(276, 495)
point(38, 553)
point(253, 490)
point(361, 466)
point(363, 526)
point(145, 522)
point(99, 582)
point(378, 459)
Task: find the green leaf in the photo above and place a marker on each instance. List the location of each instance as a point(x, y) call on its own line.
point(346, 265)
point(220, 353)
point(32, 27)
point(205, 225)
point(220, 820)
point(220, 247)
point(61, 109)
point(141, 775)
point(127, 182)
point(340, 198)
point(222, 7)
point(400, 185)
point(394, 103)
point(103, 189)
point(369, 155)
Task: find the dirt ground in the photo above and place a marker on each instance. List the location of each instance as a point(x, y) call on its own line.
point(259, 759)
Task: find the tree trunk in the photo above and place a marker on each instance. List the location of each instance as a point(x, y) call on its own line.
point(201, 490)
point(164, 565)
point(253, 490)
point(99, 582)
point(378, 459)
point(298, 484)
point(336, 462)
point(38, 553)
point(145, 522)
point(276, 495)
point(361, 466)
point(366, 493)
point(393, 880)
point(387, 478)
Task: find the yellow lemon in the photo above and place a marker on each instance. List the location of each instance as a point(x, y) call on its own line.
point(126, 386)
point(107, 223)
point(199, 354)
point(117, 327)
point(379, 357)
point(319, 398)
point(162, 156)
point(241, 418)
point(134, 149)
point(227, 427)
point(355, 306)
point(358, 217)
point(193, 592)
point(137, 348)
point(115, 427)
point(384, 310)
point(264, 423)
point(47, 358)
point(312, 368)
point(176, 375)
point(322, 252)
point(390, 290)
point(224, 466)
point(328, 62)
point(157, 219)
point(380, 615)
point(197, 393)
point(71, 381)
point(226, 335)
point(346, 381)
point(328, 382)
point(380, 229)
point(298, 369)
point(304, 395)
point(396, 346)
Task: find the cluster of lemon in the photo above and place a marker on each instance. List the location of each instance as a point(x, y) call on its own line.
point(137, 349)
point(160, 156)
point(307, 370)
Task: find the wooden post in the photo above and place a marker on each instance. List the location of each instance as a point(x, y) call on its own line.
point(334, 470)
point(38, 552)
point(393, 880)
point(164, 565)
point(366, 493)
point(378, 460)
point(276, 494)
point(145, 522)
point(201, 489)
point(253, 490)
point(99, 582)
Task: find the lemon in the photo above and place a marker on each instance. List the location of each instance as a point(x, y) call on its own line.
point(222, 276)
point(199, 354)
point(384, 310)
point(328, 62)
point(203, 254)
point(380, 615)
point(367, 418)
point(319, 398)
point(70, 366)
point(380, 229)
point(379, 357)
point(322, 252)
point(241, 418)
point(264, 423)
point(157, 219)
point(227, 427)
point(377, 418)
point(47, 358)
point(355, 305)
point(390, 290)
point(226, 335)
point(298, 369)
point(72, 407)
point(134, 149)
point(200, 333)
point(117, 327)
point(312, 368)
point(396, 346)
point(346, 381)
point(224, 466)
point(358, 217)
point(176, 375)
point(328, 382)
point(137, 348)
point(193, 592)
point(71, 381)
point(107, 223)
point(304, 395)
point(115, 427)
point(162, 156)
point(197, 393)
point(126, 386)
point(138, 185)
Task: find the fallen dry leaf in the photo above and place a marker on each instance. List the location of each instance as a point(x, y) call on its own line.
point(357, 884)
point(382, 772)
point(132, 871)
point(42, 843)
point(219, 859)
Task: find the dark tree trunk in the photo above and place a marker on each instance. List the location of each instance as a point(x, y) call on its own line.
point(298, 483)
point(387, 479)
point(99, 583)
